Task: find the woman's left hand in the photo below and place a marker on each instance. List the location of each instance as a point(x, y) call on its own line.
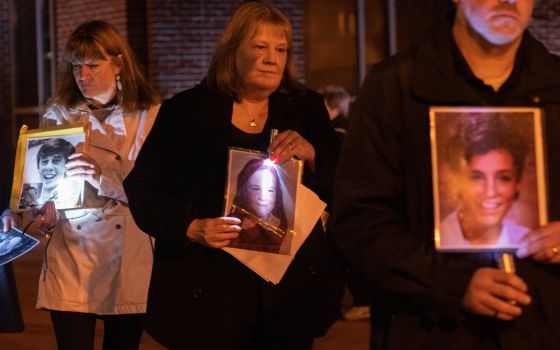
point(82, 165)
point(46, 217)
point(289, 144)
point(542, 244)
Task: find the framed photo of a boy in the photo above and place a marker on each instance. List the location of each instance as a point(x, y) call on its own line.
point(262, 195)
point(40, 171)
point(488, 177)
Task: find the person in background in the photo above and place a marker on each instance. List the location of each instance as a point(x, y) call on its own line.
point(10, 312)
point(98, 262)
point(481, 54)
point(337, 100)
point(201, 297)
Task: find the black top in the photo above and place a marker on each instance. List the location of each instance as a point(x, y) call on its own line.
point(241, 139)
point(180, 175)
point(383, 208)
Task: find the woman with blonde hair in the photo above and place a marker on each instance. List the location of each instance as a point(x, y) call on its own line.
point(200, 296)
point(98, 262)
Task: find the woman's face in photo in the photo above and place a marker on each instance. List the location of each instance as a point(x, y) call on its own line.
point(261, 192)
point(260, 60)
point(51, 170)
point(491, 188)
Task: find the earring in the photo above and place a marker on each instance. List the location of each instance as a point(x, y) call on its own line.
point(119, 85)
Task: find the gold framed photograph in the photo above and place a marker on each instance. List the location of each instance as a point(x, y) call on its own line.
point(40, 172)
point(262, 195)
point(488, 174)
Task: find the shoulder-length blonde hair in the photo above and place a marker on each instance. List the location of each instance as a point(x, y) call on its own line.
point(90, 41)
point(244, 23)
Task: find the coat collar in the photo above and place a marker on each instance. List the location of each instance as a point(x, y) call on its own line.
point(97, 131)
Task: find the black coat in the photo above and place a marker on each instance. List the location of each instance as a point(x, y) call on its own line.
point(202, 298)
point(383, 205)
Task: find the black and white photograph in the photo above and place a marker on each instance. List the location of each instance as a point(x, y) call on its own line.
point(14, 244)
point(262, 195)
point(488, 177)
point(42, 175)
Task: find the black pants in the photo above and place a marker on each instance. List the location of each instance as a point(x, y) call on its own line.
point(10, 312)
point(358, 286)
point(76, 330)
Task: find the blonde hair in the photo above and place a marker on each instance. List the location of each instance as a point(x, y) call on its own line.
point(244, 23)
point(94, 40)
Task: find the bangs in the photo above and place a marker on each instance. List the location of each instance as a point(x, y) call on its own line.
point(85, 49)
point(277, 24)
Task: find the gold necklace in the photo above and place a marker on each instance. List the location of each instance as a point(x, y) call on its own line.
point(253, 123)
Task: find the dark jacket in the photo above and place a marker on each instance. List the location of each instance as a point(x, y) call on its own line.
point(383, 206)
point(202, 298)
point(10, 313)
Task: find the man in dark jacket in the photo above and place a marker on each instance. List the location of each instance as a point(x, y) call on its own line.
point(480, 55)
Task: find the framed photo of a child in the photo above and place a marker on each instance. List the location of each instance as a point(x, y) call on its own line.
point(40, 172)
point(488, 177)
point(262, 195)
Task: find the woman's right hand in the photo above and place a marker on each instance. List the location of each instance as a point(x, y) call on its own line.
point(214, 232)
point(10, 220)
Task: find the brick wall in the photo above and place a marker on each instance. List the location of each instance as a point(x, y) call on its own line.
point(6, 132)
point(546, 23)
point(25, 53)
point(5, 60)
point(71, 13)
point(182, 36)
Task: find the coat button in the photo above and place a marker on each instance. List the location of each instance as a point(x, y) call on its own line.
point(118, 226)
point(118, 157)
point(79, 227)
point(312, 269)
point(536, 99)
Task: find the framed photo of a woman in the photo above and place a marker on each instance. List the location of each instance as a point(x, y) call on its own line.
point(488, 177)
point(262, 195)
point(40, 172)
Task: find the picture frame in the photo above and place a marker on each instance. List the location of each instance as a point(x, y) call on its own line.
point(488, 177)
point(262, 195)
point(39, 171)
point(14, 244)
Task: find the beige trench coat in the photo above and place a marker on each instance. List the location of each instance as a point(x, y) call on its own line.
point(98, 261)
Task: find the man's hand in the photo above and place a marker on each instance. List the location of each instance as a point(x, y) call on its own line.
point(542, 244)
point(496, 293)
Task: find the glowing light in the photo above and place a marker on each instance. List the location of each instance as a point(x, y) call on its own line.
point(269, 162)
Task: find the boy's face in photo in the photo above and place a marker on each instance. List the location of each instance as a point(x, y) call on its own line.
point(52, 169)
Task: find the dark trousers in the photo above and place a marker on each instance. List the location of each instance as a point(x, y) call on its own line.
point(10, 312)
point(76, 330)
point(358, 286)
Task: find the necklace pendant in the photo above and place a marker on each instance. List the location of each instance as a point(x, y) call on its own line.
point(253, 123)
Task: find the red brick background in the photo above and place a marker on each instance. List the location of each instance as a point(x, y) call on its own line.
point(182, 36)
point(174, 39)
point(546, 23)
